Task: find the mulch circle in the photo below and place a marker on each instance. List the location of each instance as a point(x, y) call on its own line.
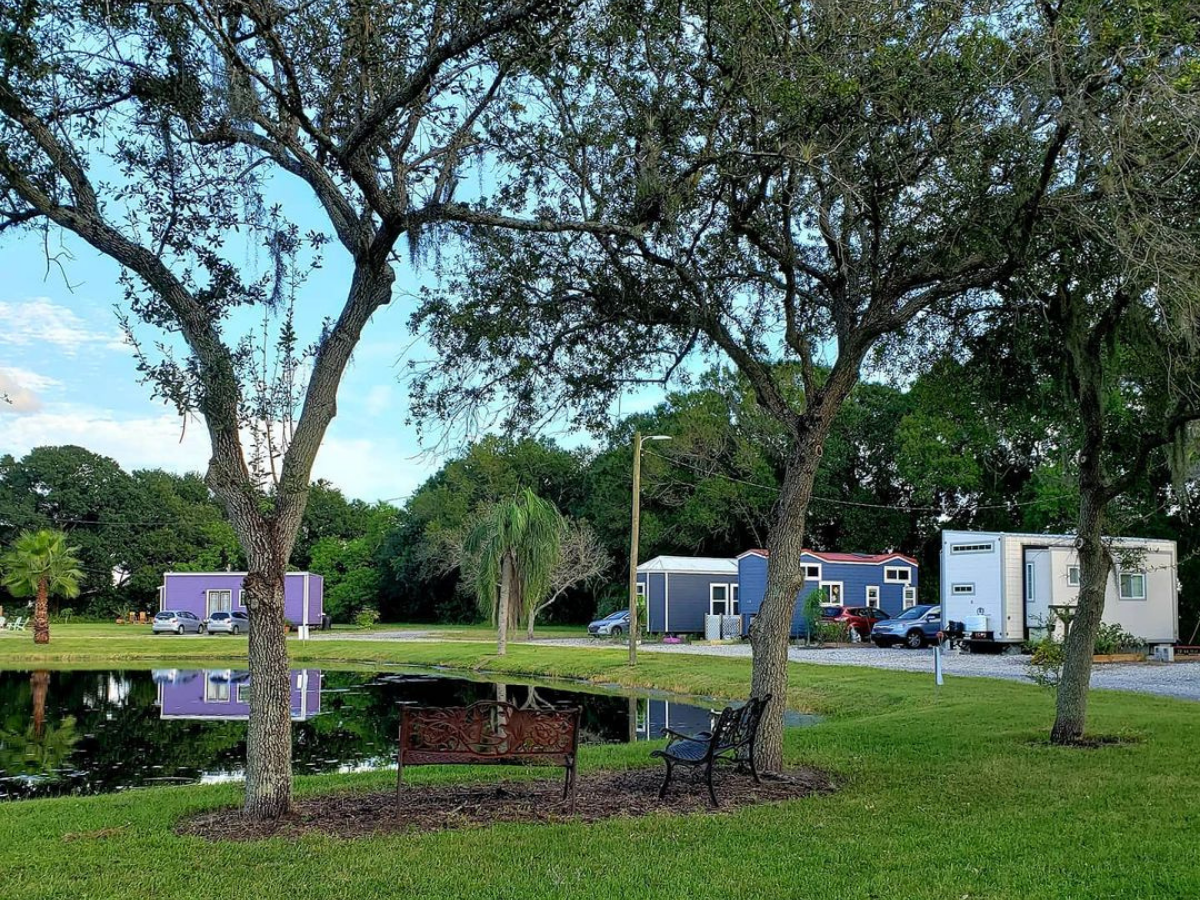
point(601, 795)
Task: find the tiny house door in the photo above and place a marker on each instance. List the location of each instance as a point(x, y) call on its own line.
point(1037, 587)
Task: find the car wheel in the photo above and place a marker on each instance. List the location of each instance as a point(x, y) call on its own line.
point(235, 629)
point(616, 631)
point(200, 629)
point(179, 630)
point(915, 640)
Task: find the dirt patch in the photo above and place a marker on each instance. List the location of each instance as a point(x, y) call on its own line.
point(437, 807)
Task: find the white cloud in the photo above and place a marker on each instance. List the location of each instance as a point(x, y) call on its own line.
point(20, 389)
point(378, 399)
point(43, 322)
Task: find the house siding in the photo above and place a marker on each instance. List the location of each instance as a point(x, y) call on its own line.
point(854, 578)
point(677, 601)
point(188, 591)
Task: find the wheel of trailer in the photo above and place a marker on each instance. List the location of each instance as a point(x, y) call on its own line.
point(915, 640)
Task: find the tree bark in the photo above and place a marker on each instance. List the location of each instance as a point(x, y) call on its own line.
point(506, 572)
point(41, 614)
point(1095, 567)
point(785, 578)
point(269, 735)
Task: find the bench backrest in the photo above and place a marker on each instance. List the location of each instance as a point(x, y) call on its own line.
point(487, 732)
point(737, 728)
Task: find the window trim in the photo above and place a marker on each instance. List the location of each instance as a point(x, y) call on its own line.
point(808, 575)
point(208, 684)
point(711, 600)
point(208, 595)
point(1121, 587)
point(875, 598)
point(910, 597)
point(640, 589)
point(956, 590)
point(735, 600)
point(889, 573)
point(1077, 572)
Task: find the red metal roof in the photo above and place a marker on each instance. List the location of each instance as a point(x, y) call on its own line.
point(843, 557)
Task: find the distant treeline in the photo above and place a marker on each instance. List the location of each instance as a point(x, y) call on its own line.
point(901, 465)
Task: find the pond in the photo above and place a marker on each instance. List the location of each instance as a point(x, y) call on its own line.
point(99, 731)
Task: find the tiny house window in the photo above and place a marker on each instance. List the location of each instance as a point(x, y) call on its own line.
point(218, 601)
point(1029, 574)
point(873, 596)
point(1133, 586)
point(962, 590)
point(812, 572)
point(718, 599)
point(972, 548)
point(897, 574)
point(734, 605)
point(216, 691)
point(1073, 576)
point(910, 597)
point(641, 589)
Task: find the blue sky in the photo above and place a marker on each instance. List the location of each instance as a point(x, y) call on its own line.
point(71, 378)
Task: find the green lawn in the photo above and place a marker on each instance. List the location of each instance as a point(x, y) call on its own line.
point(943, 794)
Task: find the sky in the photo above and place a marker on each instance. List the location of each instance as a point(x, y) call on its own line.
point(71, 378)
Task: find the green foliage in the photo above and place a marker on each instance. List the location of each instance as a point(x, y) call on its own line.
point(825, 631)
point(1112, 638)
point(525, 530)
point(811, 611)
point(41, 560)
point(366, 617)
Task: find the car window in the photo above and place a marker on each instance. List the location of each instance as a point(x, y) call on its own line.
point(165, 614)
point(879, 614)
point(915, 612)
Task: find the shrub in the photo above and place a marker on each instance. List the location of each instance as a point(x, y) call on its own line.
point(827, 632)
point(1045, 665)
point(366, 617)
point(1115, 639)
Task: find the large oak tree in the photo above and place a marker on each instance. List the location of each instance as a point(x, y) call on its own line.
point(163, 132)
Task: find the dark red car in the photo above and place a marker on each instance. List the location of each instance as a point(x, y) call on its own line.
point(860, 619)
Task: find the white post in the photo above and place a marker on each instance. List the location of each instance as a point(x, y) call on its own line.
point(302, 631)
point(937, 662)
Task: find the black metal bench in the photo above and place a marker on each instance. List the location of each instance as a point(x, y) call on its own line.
point(731, 740)
point(489, 732)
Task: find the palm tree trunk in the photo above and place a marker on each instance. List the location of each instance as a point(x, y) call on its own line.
point(506, 569)
point(41, 614)
point(39, 683)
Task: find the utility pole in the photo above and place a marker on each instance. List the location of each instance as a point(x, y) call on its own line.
point(633, 547)
point(634, 631)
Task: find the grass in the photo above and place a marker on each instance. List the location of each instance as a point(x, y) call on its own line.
point(943, 794)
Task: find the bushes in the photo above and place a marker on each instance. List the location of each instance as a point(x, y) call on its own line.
point(1115, 639)
point(825, 631)
point(366, 617)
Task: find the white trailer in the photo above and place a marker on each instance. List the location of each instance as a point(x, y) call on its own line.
point(1001, 586)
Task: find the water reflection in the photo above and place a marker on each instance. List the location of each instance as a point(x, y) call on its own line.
point(86, 732)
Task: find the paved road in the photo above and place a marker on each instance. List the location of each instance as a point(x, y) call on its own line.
point(1181, 679)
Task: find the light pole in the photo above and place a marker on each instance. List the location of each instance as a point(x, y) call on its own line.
point(633, 540)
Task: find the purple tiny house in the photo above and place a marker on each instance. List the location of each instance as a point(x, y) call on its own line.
point(224, 693)
point(202, 593)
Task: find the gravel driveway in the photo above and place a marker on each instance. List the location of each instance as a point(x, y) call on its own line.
point(1181, 679)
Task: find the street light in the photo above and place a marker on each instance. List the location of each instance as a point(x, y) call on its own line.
point(633, 541)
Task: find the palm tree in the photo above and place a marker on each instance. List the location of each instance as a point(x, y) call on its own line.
point(39, 565)
point(517, 545)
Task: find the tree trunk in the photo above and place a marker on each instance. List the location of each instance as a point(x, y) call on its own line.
point(785, 578)
point(41, 614)
point(506, 571)
point(269, 735)
point(1095, 566)
point(39, 683)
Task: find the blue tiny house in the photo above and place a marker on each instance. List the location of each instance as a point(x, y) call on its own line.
point(681, 590)
point(884, 580)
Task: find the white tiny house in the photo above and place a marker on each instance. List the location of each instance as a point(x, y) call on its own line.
point(1001, 586)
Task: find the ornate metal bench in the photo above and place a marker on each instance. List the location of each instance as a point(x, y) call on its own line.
point(731, 740)
point(488, 733)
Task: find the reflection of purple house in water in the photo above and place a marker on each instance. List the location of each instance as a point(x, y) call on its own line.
point(204, 593)
point(225, 693)
point(659, 714)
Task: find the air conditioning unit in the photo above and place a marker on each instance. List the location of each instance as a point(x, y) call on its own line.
point(1164, 653)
